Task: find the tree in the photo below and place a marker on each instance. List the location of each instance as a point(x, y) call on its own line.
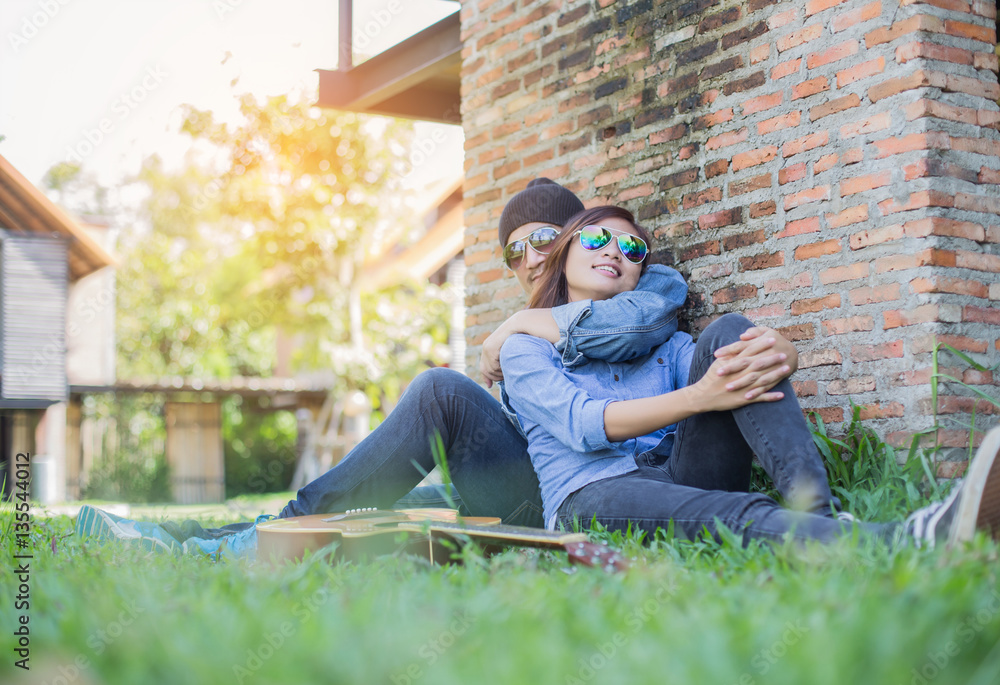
point(264, 229)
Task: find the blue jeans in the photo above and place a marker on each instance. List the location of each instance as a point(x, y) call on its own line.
point(486, 454)
point(707, 476)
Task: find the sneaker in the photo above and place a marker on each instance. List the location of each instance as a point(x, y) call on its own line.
point(973, 504)
point(102, 525)
point(846, 517)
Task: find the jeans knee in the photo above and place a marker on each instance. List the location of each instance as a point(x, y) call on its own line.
point(726, 329)
point(437, 384)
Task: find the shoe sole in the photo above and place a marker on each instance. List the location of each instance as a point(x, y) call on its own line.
point(979, 507)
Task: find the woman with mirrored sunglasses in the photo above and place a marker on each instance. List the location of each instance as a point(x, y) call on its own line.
point(668, 436)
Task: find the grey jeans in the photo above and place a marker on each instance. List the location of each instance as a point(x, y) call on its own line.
point(706, 478)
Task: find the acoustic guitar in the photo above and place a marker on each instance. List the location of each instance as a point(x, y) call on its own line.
point(432, 533)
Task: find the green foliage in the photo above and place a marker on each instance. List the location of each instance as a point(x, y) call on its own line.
point(259, 448)
point(130, 465)
point(872, 481)
point(937, 378)
point(264, 230)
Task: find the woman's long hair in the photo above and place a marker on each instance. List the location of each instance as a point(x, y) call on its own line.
point(551, 289)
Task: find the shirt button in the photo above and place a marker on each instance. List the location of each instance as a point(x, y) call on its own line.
point(616, 376)
point(659, 360)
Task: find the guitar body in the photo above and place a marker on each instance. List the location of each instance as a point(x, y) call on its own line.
point(360, 534)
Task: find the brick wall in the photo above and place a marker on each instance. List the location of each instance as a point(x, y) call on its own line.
point(828, 167)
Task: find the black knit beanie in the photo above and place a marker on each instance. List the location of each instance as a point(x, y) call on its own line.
point(543, 200)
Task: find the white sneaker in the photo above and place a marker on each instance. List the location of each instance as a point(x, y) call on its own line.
point(973, 504)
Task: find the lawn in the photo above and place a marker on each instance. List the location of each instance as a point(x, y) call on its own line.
point(686, 612)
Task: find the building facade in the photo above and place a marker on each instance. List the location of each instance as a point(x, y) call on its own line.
point(829, 168)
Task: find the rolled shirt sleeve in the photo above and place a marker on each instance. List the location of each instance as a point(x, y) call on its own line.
point(626, 326)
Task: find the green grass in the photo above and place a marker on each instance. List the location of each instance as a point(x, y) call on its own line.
point(687, 612)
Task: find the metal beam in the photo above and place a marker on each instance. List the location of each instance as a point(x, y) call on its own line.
point(418, 78)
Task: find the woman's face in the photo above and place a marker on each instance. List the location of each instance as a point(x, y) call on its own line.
point(602, 273)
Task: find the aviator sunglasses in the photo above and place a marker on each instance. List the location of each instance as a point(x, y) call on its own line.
point(540, 240)
point(633, 248)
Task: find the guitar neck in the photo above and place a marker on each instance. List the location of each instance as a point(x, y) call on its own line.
point(499, 533)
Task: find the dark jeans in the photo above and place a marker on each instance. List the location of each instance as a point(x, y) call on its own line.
point(707, 476)
point(486, 455)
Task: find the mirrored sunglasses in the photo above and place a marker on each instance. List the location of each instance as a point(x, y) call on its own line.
point(540, 240)
point(632, 247)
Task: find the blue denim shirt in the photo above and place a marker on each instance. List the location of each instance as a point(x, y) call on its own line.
point(561, 410)
point(628, 325)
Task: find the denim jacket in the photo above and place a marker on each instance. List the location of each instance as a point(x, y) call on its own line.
point(627, 326)
point(561, 410)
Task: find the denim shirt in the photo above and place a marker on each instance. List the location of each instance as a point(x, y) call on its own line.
point(561, 410)
point(628, 325)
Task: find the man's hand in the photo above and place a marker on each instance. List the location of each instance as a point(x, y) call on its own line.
point(759, 361)
point(537, 322)
point(489, 359)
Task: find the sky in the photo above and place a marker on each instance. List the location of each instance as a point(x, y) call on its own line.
point(101, 82)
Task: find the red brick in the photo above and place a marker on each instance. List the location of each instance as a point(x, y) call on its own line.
point(753, 158)
point(851, 324)
point(734, 293)
point(918, 79)
point(817, 194)
point(779, 285)
point(786, 69)
point(956, 286)
point(805, 388)
point(749, 185)
point(814, 6)
point(805, 143)
point(876, 236)
point(667, 134)
point(943, 53)
point(923, 23)
point(825, 163)
point(977, 261)
point(609, 177)
point(802, 331)
point(860, 71)
point(833, 54)
point(702, 197)
point(799, 37)
point(870, 353)
point(800, 227)
point(990, 315)
point(861, 184)
point(931, 256)
point(878, 410)
point(726, 217)
point(851, 215)
point(779, 122)
point(765, 208)
point(762, 102)
point(815, 304)
point(933, 140)
point(790, 174)
point(839, 274)
point(846, 20)
point(851, 386)
point(727, 139)
point(977, 203)
point(895, 318)
point(810, 87)
point(926, 343)
point(834, 106)
point(879, 122)
point(710, 247)
point(743, 239)
point(716, 168)
point(918, 200)
point(643, 190)
point(874, 294)
point(810, 360)
point(762, 261)
point(813, 250)
point(963, 29)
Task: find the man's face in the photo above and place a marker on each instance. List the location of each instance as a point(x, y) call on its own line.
point(530, 267)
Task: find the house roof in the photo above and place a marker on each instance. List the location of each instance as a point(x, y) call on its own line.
point(25, 209)
point(419, 78)
point(443, 239)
